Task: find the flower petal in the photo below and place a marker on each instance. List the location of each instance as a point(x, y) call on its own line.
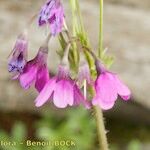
point(28, 76)
point(41, 78)
point(79, 98)
point(103, 104)
point(18, 55)
point(45, 93)
point(63, 94)
point(46, 12)
point(105, 88)
point(15, 76)
point(122, 89)
point(57, 24)
point(84, 74)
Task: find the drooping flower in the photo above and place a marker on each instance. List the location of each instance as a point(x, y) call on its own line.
point(108, 86)
point(62, 89)
point(36, 71)
point(18, 58)
point(52, 13)
point(84, 71)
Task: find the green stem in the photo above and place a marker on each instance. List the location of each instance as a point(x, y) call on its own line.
point(100, 48)
point(74, 19)
point(80, 16)
point(98, 111)
point(74, 26)
point(100, 128)
point(102, 138)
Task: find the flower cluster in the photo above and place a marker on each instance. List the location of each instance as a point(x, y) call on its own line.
point(64, 89)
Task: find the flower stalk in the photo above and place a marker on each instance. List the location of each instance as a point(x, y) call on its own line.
point(74, 28)
point(100, 48)
point(102, 139)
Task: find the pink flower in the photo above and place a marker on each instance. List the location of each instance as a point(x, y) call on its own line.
point(18, 59)
point(63, 90)
point(108, 86)
point(53, 14)
point(83, 71)
point(36, 71)
point(84, 74)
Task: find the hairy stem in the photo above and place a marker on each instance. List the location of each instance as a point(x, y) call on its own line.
point(102, 138)
point(100, 128)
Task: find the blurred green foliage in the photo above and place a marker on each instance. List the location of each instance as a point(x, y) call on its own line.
point(12, 141)
point(75, 125)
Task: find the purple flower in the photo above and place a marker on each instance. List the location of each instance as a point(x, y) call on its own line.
point(84, 74)
point(53, 14)
point(36, 71)
point(108, 86)
point(18, 59)
point(63, 90)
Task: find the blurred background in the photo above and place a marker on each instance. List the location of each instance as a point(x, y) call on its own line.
point(127, 37)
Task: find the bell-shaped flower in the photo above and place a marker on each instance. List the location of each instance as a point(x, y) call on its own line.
point(108, 86)
point(84, 71)
point(18, 57)
point(36, 71)
point(52, 13)
point(62, 89)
